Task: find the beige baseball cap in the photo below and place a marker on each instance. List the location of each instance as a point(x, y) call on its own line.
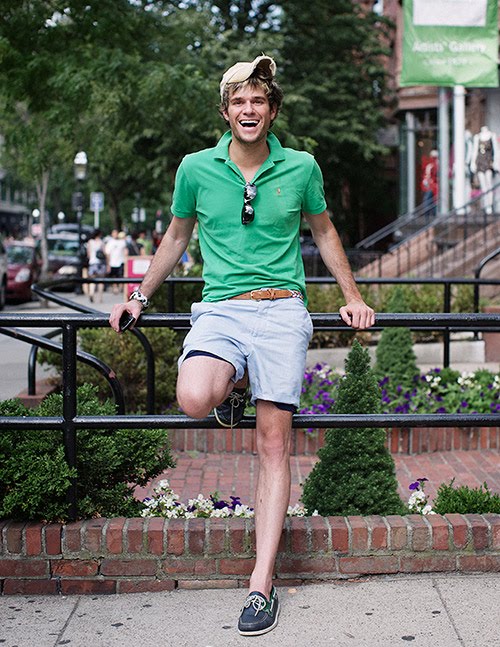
point(243, 70)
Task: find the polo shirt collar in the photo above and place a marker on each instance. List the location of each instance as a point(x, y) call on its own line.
point(276, 152)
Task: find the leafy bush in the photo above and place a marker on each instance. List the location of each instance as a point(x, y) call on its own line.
point(34, 475)
point(355, 473)
point(466, 500)
point(125, 355)
point(396, 358)
point(329, 298)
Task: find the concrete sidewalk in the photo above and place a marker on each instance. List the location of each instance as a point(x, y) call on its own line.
point(430, 611)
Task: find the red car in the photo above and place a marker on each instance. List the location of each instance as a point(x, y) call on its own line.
point(23, 269)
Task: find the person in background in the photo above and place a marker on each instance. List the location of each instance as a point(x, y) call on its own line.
point(116, 252)
point(96, 264)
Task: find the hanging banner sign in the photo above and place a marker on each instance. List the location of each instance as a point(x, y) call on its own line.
point(450, 42)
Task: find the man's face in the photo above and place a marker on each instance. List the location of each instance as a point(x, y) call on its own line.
point(249, 114)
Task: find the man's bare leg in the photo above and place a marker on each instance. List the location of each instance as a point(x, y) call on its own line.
point(273, 490)
point(203, 383)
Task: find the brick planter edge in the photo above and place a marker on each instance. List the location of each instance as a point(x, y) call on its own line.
point(133, 555)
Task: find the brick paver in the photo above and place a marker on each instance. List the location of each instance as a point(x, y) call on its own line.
point(235, 474)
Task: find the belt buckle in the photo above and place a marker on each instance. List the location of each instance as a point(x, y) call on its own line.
point(270, 291)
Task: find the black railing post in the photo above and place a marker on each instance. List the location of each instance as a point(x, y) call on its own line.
point(446, 334)
point(70, 409)
point(171, 296)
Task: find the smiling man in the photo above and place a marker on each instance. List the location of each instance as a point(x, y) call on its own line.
point(250, 333)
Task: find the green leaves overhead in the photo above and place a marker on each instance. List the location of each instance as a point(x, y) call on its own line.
point(134, 83)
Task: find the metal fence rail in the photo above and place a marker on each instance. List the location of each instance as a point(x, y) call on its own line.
point(69, 423)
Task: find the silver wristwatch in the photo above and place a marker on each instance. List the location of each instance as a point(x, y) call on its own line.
point(137, 295)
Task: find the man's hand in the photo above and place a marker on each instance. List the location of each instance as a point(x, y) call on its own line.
point(357, 315)
point(134, 307)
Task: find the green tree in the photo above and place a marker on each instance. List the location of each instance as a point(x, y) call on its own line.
point(337, 91)
point(395, 356)
point(355, 473)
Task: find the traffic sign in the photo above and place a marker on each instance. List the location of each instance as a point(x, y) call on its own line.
point(97, 201)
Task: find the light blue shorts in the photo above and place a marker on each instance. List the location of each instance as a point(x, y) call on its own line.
point(269, 338)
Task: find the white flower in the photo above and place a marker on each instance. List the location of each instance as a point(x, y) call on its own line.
point(428, 509)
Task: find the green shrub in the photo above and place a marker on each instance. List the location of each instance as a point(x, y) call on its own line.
point(34, 475)
point(465, 500)
point(355, 473)
point(328, 298)
point(395, 357)
point(125, 355)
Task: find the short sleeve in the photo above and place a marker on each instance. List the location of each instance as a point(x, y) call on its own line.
point(314, 194)
point(184, 197)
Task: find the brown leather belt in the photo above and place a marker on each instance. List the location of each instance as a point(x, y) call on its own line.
point(270, 293)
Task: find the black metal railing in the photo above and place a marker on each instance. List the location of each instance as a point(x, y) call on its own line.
point(173, 283)
point(70, 423)
point(424, 246)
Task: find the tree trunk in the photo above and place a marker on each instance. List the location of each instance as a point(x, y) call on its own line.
point(42, 185)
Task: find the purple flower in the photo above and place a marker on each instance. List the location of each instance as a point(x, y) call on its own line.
point(414, 486)
point(441, 410)
point(464, 404)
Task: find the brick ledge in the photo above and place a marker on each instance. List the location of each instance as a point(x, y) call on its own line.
point(418, 440)
point(132, 555)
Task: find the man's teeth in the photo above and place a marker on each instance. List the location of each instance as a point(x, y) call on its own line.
point(248, 124)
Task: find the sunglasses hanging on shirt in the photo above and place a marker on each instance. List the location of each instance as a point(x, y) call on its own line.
point(248, 212)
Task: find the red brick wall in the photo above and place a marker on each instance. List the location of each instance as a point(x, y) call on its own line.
point(131, 555)
point(400, 441)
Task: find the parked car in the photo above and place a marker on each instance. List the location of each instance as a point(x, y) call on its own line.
point(24, 265)
point(3, 275)
point(72, 228)
point(64, 258)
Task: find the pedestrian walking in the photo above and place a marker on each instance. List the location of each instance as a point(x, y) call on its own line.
point(116, 252)
point(96, 264)
point(250, 332)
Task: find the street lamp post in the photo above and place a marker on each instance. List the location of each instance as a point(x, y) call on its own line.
point(80, 170)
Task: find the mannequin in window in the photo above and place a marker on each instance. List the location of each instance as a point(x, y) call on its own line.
point(469, 146)
point(485, 162)
point(429, 183)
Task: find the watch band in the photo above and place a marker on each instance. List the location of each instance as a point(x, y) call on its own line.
point(137, 295)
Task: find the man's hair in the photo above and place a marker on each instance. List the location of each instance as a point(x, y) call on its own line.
point(272, 89)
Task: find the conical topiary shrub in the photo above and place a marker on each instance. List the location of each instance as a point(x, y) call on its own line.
point(355, 473)
point(395, 357)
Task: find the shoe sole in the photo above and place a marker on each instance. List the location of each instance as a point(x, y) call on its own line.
point(224, 424)
point(262, 631)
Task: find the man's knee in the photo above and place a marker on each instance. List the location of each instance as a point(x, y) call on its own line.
point(193, 402)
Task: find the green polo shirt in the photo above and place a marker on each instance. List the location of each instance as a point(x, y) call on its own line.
point(266, 252)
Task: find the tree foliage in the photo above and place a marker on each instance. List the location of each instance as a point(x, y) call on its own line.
point(355, 473)
point(396, 358)
point(337, 91)
point(135, 85)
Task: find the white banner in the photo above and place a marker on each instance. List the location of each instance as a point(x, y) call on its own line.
point(450, 13)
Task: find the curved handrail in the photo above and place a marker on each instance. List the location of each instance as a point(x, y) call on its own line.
point(477, 274)
point(43, 291)
point(42, 342)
